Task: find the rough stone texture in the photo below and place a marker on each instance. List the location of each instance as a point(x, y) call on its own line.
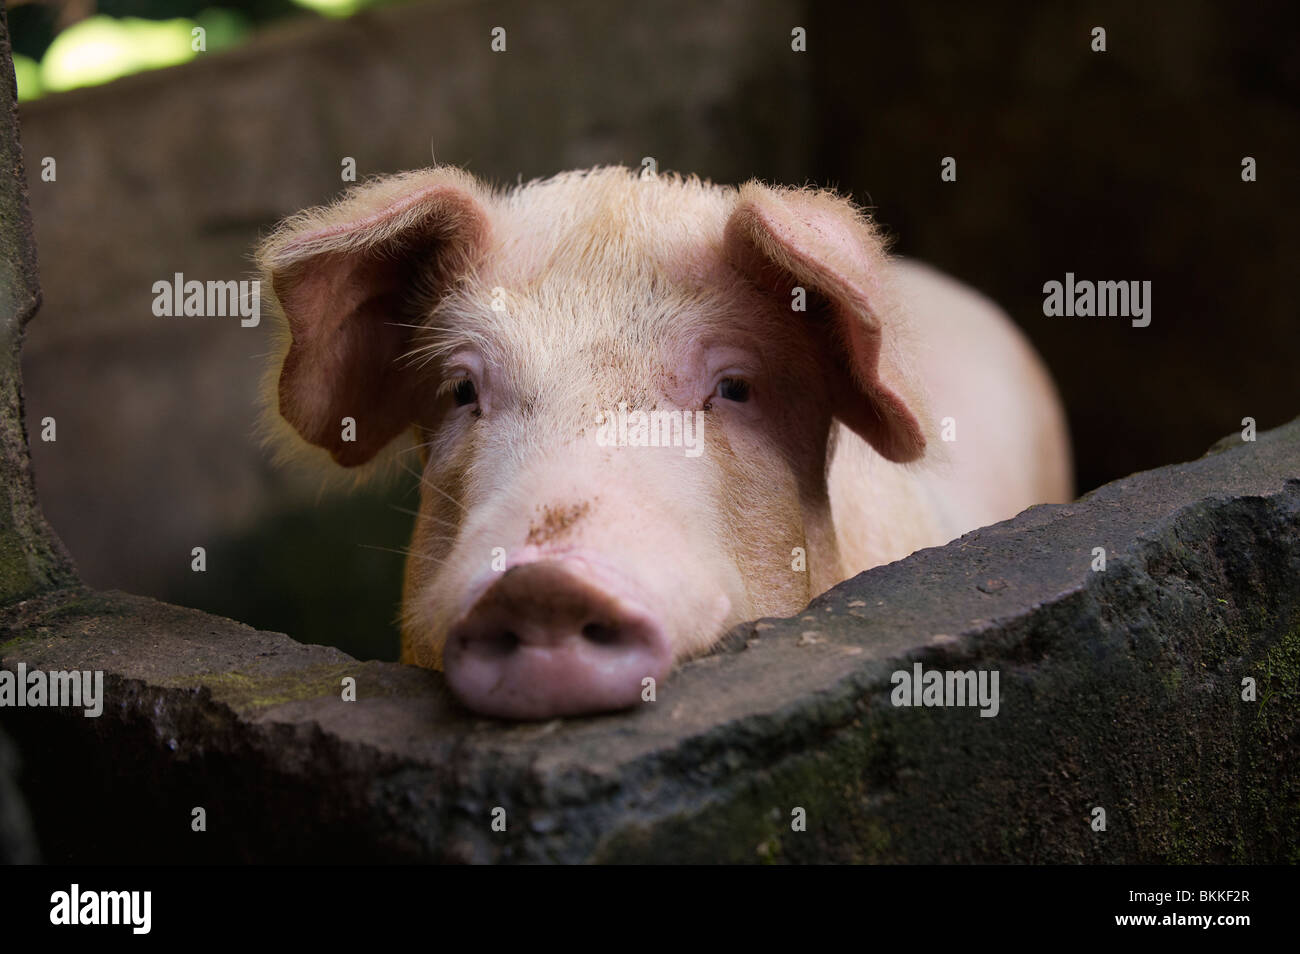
point(31, 558)
point(1120, 689)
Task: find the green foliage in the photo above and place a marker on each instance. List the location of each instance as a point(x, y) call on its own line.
point(128, 36)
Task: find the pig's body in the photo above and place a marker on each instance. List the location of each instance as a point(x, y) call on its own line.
point(1010, 449)
point(556, 567)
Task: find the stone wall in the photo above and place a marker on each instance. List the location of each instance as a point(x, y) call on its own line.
point(1119, 689)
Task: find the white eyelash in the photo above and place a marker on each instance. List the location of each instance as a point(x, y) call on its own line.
point(454, 376)
point(447, 385)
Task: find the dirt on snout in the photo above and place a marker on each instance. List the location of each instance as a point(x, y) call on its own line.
point(554, 522)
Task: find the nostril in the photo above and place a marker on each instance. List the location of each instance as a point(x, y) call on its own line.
point(542, 642)
point(601, 634)
point(501, 643)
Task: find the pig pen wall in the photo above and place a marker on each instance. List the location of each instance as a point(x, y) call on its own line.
point(1124, 689)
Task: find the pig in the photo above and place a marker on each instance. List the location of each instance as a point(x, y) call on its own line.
point(829, 408)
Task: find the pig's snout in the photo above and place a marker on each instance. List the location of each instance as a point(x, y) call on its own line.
point(543, 641)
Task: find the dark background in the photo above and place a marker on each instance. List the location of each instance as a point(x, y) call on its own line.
point(1123, 165)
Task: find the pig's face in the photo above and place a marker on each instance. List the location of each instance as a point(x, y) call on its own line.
point(536, 457)
point(541, 345)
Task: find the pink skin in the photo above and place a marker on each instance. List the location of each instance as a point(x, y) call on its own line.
point(565, 627)
point(592, 564)
point(559, 632)
point(622, 561)
point(554, 637)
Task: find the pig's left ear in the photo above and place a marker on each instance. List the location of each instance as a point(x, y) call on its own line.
point(783, 239)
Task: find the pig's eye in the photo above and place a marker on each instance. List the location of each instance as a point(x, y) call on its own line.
point(463, 392)
point(734, 389)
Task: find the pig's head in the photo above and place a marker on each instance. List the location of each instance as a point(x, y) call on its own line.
point(623, 393)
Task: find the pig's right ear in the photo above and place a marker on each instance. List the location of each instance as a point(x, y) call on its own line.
point(783, 239)
point(345, 277)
